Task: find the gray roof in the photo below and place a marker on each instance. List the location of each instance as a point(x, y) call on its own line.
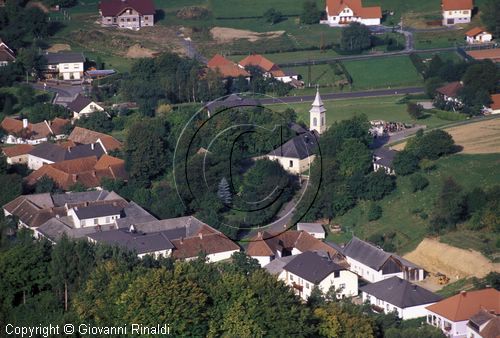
point(54, 228)
point(189, 223)
point(133, 214)
point(336, 246)
point(312, 267)
point(311, 227)
point(79, 103)
point(371, 255)
point(481, 317)
point(400, 292)
point(232, 101)
point(137, 241)
point(55, 153)
point(79, 197)
point(384, 156)
point(98, 210)
point(275, 267)
point(64, 57)
point(300, 146)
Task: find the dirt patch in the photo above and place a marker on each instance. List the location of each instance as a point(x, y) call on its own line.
point(59, 47)
point(475, 138)
point(137, 51)
point(455, 263)
point(225, 35)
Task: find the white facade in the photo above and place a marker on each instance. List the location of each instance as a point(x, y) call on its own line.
point(129, 18)
point(368, 273)
point(91, 222)
point(293, 165)
point(11, 139)
point(387, 170)
point(92, 107)
point(450, 328)
point(317, 115)
point(263, 260)
point(480, 38)
point(287, 78)
point(456, 16)
point(70, 71)
point(35, 162)
point(156, 254)
point(403, 313)
point(344, 281)
point(19, 159)
point(220, 256)
point(346, 16)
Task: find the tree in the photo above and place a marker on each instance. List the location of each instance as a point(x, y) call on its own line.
point(355, 38)
point(378, 184)
point(431, 84)
point(405, 162)
point(418, 182)
point(310, 13)
point(416, 111)
point(338, 320)
point(374, 212)
point(272, 16)
point(490, 16)
point(432, 145)
point(316, 298)
point(354, 157)
point(40, 112)
point(98, 121)
point(224, 192)
point(449, 207)
point(45, 184)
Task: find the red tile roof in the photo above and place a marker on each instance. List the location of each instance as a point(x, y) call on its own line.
point(225, 67)
point(475, 31)
point(17, 150)
point(116, 7)
point(206, 241)
point(455, 5)
point(496, 101)
point(451, 89)
point(265, 64)
point(492, 54)
point(334, 7)
point(464, 305)
point(87, 136)
point(34, 130)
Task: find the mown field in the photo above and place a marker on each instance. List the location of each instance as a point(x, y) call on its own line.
point(407, 214)
point(375, 108)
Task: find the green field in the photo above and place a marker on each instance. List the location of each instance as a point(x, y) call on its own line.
point(402, 209)
point(383, 72)
point(375, 108)
point(445, 56)
point(427, 40)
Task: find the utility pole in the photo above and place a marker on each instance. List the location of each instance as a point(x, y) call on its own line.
point(309, 72)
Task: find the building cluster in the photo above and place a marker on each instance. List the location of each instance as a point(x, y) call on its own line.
point(450, 93)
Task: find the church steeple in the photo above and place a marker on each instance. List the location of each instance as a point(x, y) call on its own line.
point(317, 116)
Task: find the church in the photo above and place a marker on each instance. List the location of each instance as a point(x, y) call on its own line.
point(297, 154)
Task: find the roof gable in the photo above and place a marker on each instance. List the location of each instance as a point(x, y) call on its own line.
point(116, 7)
point(301, 146)
point(451, 5)
point(312, 267)
point(335, 7)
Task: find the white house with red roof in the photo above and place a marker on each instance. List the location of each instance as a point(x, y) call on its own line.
point(456, 11)
point(478, 35)
point(452, 314)
point(226, 68)
point(494, 107)
point(343, 12)
point(268, 68)
point(6, 54)
point(132, 14)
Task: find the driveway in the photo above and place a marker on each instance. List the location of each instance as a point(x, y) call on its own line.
point(64, 93)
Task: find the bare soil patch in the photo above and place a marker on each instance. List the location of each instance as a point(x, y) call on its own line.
point(137, 51)
point(455, 263)
point(59, 47)
point(225, 35)
point(475, 138)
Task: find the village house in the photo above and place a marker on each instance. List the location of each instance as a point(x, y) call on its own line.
point(397, 295)
point(483, 324)
point(227, 69)
point(265, 246)
point(456, 11)
point(48, 153)
point(88, 172)
point(268, 68)
point(343, 12)
point(17, 154)
point(449, 92)
point(478, 35)
point(181, 238)
point(81, 135)
point(6, 54)
point(314, 229)
point(452, 314)
point(494, 107)
point(24, 132)
point(83, 106)
point(315, 269)
point(132, 14)
point(374, 264)
point(492, 54)
point(382, 160)
point(64, 66)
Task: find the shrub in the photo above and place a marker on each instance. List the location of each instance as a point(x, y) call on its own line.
point(405, 163)
point(375, 212)
point(416, 111)
point(418, 182)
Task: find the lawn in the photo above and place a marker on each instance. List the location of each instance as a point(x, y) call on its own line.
point(395, 71)
point(323, 75)
point(427, 40)
point(375, 108)
point(407, 213)
point(408, 8)
point(445, 56)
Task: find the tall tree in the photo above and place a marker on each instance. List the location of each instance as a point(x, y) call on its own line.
point(224, 192)
point(310, 13)
point(355, 38)
point(490, 15)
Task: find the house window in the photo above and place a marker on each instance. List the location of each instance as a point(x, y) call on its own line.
point(387, 307)
point(133, 19)
point(109, 19)
point(107, 220)
point(128, 19)
point(342, 286)
point(146, 18)
point(307, 285)
point(291, 164)
point(96, 221)
point(114, 20)
point(336, 274)
point(465, 12)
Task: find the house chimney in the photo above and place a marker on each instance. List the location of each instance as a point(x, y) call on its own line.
point(92, 146)
point(25, 123)
point(93, 173)
point(200, 235)
point(181, 240)
point(74, 176)
point(132, 228)
point(463, 293)
point(259, 235)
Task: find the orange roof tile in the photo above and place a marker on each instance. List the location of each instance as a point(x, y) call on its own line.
point(106, 161)
point(265, 64)
point(18, 149)
point(218, 60)
point(11, 125)
point(211, 243)
point(451, 89)
point(455, 5)
point(474, 31)
point(225, 67)
point(492, 54)
point(334, 7)
point(496, 101)
point(464, 305)
point(57, 125)
point(87, 136)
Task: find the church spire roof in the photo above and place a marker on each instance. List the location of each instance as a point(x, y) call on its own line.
point(317, 105)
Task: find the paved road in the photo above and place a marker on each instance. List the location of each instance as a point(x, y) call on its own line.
point(64, 93)
point(345, 95)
